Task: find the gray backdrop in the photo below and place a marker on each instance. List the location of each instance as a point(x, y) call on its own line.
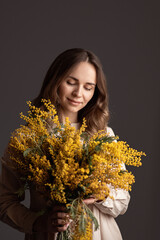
point(125, 35)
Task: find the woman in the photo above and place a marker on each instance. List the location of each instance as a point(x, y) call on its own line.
point(76, 85)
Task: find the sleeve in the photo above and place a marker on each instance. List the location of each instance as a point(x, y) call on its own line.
point(119, 204)
point(12, 212)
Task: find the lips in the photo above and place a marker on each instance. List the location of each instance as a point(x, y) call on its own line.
point(73, 101)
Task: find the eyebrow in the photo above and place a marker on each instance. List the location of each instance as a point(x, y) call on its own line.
point(78, 80)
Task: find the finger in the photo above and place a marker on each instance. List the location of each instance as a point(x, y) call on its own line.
point(57, 222)
point(60, 215)
point(89, 200)
point(59, 208)
point(58, 228)
point(62, 229)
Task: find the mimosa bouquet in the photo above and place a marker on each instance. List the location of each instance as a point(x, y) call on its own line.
point(67, 166)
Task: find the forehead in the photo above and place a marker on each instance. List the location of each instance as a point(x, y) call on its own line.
point(84, 71)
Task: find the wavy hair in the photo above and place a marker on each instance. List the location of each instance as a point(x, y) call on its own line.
point(96, 112)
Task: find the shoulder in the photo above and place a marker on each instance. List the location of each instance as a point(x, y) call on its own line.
point(109, 131)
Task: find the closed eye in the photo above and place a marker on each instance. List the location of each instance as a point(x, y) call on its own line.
point(88, 89)
point(89, 86)
point(71, 82)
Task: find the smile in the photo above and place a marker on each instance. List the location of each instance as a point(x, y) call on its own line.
point(74, 102)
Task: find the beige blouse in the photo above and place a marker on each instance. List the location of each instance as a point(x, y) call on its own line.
point(15, 214)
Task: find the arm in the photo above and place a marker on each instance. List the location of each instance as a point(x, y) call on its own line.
point(12, 212)
point(116, 206)
point(119, 204)
point(15, 214)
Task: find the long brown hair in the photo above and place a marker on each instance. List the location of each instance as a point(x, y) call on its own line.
point(96, 111)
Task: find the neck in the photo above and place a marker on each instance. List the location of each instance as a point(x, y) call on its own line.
point(73, 117)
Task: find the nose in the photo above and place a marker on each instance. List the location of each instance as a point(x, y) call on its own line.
point(77, 92)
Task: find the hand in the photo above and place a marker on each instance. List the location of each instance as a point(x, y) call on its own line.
point(90, 200)
point(58, 220)
point(55, 221)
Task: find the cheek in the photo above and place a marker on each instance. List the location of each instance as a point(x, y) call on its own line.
point(89, 96)
point(65, 89)
point(62, 90)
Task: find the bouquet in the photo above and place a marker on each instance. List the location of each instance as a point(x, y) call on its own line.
point(67, 165)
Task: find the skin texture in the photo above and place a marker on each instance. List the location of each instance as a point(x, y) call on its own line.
point(75, 91)
point(57, 220)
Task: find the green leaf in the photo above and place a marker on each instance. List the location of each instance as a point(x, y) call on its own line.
point(93, 218)
point(85, 136)
point(28, 150)
point(82, 189)
point(42, 138)
point(42, 212)
point(82, 223)
point(98, 148)
point(20, 192)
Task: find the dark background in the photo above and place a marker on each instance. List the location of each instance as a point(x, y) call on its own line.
point(125, 35)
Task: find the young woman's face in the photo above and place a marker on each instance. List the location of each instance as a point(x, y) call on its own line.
point(77, 89)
